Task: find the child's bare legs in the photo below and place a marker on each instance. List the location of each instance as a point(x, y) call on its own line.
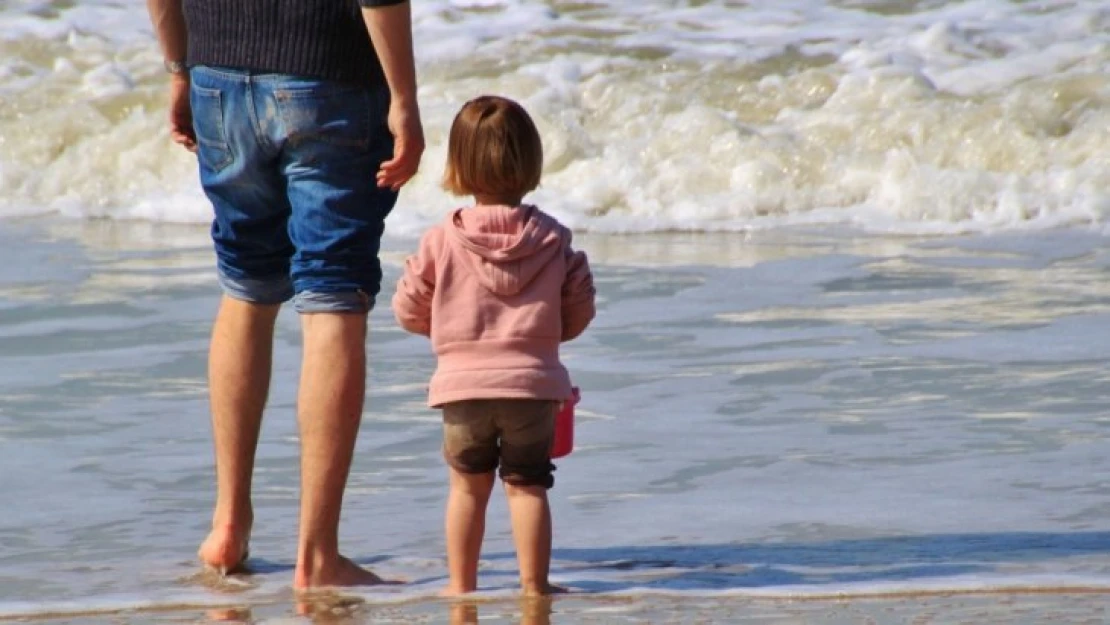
point(531, 520)
point(465, 527)
point(478, 436)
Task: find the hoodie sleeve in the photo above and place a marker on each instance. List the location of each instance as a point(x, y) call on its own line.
point(578, 294)
point(412, 303)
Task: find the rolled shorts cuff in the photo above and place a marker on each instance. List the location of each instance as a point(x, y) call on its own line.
point(529, 476)
point(266, 291)
point(336, 302)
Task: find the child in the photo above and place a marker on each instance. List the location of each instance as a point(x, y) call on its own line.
point(497, 287)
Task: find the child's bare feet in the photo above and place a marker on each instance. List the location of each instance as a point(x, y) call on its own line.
point(542, 590)
point(227, 615)
point(341, 572)
point(226, 548)
point(455, 591)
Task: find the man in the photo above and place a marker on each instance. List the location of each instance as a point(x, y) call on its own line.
point(304, 118)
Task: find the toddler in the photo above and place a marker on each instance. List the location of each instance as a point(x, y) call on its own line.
point(497, 287)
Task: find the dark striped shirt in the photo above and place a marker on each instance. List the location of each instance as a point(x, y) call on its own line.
point(311, 38)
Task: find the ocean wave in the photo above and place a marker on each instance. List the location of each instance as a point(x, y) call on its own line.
point(981, 115)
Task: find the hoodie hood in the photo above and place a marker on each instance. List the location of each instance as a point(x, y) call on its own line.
point(505, 247)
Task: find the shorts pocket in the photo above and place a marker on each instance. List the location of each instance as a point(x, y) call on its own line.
point(338, 115)
point(213, 150)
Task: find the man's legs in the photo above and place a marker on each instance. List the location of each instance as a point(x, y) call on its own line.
point(252, 249)
point(329, 410)
point(334, 138)
point(239, 365)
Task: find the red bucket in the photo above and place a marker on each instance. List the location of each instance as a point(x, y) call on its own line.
point(564, 427)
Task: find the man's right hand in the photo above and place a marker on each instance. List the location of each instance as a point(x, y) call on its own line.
point(390, 29)
point(408, 145)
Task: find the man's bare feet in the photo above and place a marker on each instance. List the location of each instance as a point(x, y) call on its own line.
point(226, 549)
point(341, 572)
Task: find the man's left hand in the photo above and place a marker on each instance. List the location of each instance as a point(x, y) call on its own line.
point(181, 113)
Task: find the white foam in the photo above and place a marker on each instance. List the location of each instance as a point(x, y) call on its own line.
point(980, 115)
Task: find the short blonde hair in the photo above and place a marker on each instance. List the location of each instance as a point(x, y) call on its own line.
point(493, 149)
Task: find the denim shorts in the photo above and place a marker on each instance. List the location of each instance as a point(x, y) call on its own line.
point(480, 434)
point(289, 164)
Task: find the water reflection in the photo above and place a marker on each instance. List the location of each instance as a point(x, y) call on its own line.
point(334, 609)
point(531, 611)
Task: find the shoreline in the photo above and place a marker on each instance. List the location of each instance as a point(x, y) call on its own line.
point(365, 595)
point(1018, 600)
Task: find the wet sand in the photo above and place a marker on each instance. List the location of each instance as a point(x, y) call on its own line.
point(1035, 606)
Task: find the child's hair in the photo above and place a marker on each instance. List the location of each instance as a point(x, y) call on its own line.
point(494, 149)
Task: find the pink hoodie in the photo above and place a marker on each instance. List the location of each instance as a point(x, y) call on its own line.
point(497, 289)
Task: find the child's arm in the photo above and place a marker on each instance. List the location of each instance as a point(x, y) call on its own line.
point(412, 303)
point(578, 295)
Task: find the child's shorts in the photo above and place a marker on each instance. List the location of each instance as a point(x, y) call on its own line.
point(480, 434)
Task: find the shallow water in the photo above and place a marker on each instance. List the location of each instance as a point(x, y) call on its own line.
point(765, 416)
